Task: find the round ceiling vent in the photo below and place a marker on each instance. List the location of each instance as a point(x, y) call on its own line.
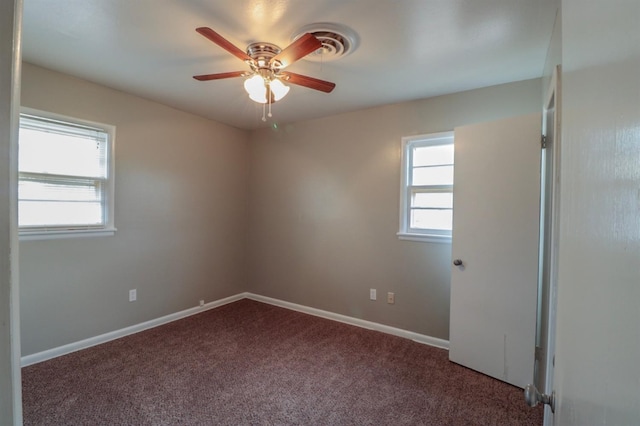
point(337, 41)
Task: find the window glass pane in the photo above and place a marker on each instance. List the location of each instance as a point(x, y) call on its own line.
point(432, 199)
point(438, 175)
point(432, 155)
point(59, 213)
point(63, 154)
point(58, 202)
point(431, 219)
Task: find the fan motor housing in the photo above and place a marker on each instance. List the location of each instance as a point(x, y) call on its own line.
point(262, 52)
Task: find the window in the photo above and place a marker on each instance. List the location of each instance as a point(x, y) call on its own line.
point(426, 201)
point(65, 177)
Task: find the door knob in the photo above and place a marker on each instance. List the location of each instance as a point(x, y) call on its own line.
point(532, 397)
point(457, 262)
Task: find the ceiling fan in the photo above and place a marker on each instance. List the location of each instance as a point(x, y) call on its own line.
point(265, 82)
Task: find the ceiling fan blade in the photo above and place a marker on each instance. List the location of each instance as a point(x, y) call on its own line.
point(207, 77)
point(223, 42)
point(298, 49)
point(306, 81)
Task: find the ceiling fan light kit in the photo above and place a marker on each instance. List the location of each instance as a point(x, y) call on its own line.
point(259, 87)
point(265, 80)
point(263, 84)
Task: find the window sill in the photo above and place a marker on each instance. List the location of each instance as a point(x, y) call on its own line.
point(424, 238)
point(62, 234)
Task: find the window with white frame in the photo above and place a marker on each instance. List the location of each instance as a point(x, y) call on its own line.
point(426, 200)
point(65, 186)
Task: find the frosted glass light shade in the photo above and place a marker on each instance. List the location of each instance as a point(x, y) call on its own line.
point(278, 89)
point(255, 87)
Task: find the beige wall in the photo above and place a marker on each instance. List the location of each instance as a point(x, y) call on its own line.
point(181, 203)
point(324, 200)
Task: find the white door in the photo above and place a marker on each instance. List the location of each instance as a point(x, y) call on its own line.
point(547, 282)
point(496, 205)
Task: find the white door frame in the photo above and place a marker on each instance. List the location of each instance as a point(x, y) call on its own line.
point(10, 75)
point(552, 100)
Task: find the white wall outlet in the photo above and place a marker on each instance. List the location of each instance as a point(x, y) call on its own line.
point(372, 294)
point(391, 298)
point(133, 295)
point(202, 303)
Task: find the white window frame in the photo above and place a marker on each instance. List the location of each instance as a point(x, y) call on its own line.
point(406, 188)
point(106, 229)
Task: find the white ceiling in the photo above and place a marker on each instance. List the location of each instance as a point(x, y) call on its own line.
point(408, 49)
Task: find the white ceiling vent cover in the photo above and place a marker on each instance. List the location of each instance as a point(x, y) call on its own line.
point(337, 41)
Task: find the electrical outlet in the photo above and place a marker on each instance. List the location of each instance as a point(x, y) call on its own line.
point(202, 303)
point(133, 295)
point(372, 294)
point(391, 298)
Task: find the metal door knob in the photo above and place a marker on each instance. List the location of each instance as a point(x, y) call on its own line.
point(457, 262)
point(532, 397)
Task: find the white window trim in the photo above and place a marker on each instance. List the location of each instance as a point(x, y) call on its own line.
point(405, 232)
point(43, 233)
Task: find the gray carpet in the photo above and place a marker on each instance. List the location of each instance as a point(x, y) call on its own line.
point(249, 363)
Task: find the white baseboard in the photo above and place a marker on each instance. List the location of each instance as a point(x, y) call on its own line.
point(112, 335)
point(420, 338)
point(103, 338)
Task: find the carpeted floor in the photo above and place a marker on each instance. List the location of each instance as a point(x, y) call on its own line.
point(249, 363)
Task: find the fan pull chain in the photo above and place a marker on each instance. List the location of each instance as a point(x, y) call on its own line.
point(269, 115)
point(263, 110)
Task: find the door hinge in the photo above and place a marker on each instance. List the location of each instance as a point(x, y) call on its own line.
point(543, 141)
point(539, 354)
